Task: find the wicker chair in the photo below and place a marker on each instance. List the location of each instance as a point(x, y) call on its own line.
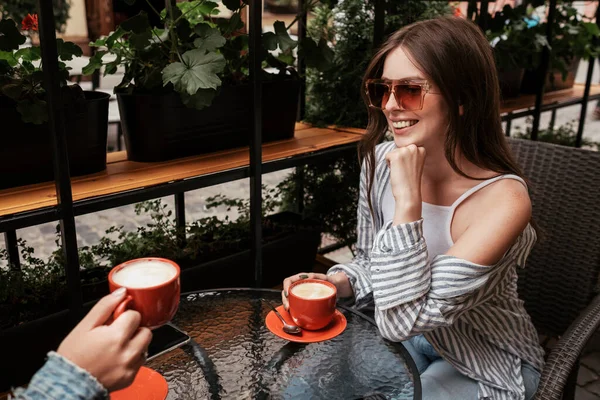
point(559, 285)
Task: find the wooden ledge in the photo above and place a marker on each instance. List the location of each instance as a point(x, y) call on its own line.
point(526, 101)
point(122, 175)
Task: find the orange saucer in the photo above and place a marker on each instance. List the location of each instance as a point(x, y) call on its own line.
point(147, 385)
point(335, 327)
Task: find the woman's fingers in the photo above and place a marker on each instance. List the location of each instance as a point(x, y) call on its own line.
point(127, 324)
point(103, 310)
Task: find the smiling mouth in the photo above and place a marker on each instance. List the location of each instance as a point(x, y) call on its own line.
point(404, 124)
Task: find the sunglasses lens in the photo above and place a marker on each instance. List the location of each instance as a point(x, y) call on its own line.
point(379, 94)
point(409, 96)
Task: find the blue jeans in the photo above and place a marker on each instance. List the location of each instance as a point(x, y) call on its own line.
point(440, 380)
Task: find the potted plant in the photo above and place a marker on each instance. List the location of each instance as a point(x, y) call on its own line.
point(513, 38)
point(25, 151)
point(573, 40)
point(186, 88)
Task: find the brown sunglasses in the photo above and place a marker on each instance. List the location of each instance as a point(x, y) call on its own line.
point(409, 95)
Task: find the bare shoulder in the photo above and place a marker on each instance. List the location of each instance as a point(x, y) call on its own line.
point(509, 197)
point(498, 215)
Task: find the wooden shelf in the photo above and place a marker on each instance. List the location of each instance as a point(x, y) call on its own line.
point(526, 101)
point(122, 175)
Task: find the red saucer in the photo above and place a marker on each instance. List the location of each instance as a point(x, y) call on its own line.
point(335, 327)
point(147, 385)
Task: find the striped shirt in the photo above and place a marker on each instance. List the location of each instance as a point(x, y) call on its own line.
point(470, 313)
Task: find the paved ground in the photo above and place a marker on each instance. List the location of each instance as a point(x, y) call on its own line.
point(91, 227)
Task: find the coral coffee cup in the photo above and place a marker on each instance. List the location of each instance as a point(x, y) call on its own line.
point(153, 289)
point(312, 303)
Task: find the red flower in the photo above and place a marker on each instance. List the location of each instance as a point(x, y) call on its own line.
point(457, 12)
point(30, 23)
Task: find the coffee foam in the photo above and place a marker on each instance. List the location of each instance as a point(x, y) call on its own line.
point(144, 274)
point(312, 290)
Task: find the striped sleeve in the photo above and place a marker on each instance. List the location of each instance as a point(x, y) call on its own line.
point(413, 296)
point(358, 270)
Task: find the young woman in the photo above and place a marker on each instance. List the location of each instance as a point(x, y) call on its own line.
point(443, 217)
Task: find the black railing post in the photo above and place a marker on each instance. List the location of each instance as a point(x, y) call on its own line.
point(543, 71)
point(302, 24)
point(300, 189)
point(508, 125)
point(10, 240)
point(483, 15)
point(586, 91)
point(180, 218)
point(59, 151)
point(379, 23)
point(552, 120)
point(255, 32)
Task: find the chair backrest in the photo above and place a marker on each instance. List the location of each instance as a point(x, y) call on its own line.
point(562, 272)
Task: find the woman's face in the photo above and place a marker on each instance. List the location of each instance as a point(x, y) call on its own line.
point(425, 127)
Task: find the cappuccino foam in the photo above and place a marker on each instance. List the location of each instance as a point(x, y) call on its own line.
point(144, 274)
point(312, 290)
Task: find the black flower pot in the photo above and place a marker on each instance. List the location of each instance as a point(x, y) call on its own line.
point(26, 150)
point(531, 79)
point(510, 82)
point(160, 127)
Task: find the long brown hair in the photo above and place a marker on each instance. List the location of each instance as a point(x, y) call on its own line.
point(456, 56)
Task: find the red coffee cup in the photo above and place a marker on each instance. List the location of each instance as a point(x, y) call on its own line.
point(312, 307)
point(153, 289)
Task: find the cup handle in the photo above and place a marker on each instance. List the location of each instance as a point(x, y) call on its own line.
point(122, 307)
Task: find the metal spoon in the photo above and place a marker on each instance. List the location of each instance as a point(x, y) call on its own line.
point(287, 328)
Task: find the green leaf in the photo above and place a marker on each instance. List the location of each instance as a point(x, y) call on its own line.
point(111, 67)
point(29, 54)
point(99, 42)
point(233, 5)
point(116, 35)
point(184, 30)
point(202, 99)
point(276, 63)
point(10, 37)
point(283, 38)
point(33, 111)
point(95, 63)
point(9, 57)
point(318, 56)
point(129, 2)
point(270, 41)
point(67, 50)
point(207, 8)
point(140, 40)
point(592, 28)
point(286, 58)
point(232, 24)
point(197, 71)
point(28, 66)
point(137, 24)
point(12, 90)
point(210, 40)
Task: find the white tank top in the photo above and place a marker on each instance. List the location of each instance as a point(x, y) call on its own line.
point(438, 219)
